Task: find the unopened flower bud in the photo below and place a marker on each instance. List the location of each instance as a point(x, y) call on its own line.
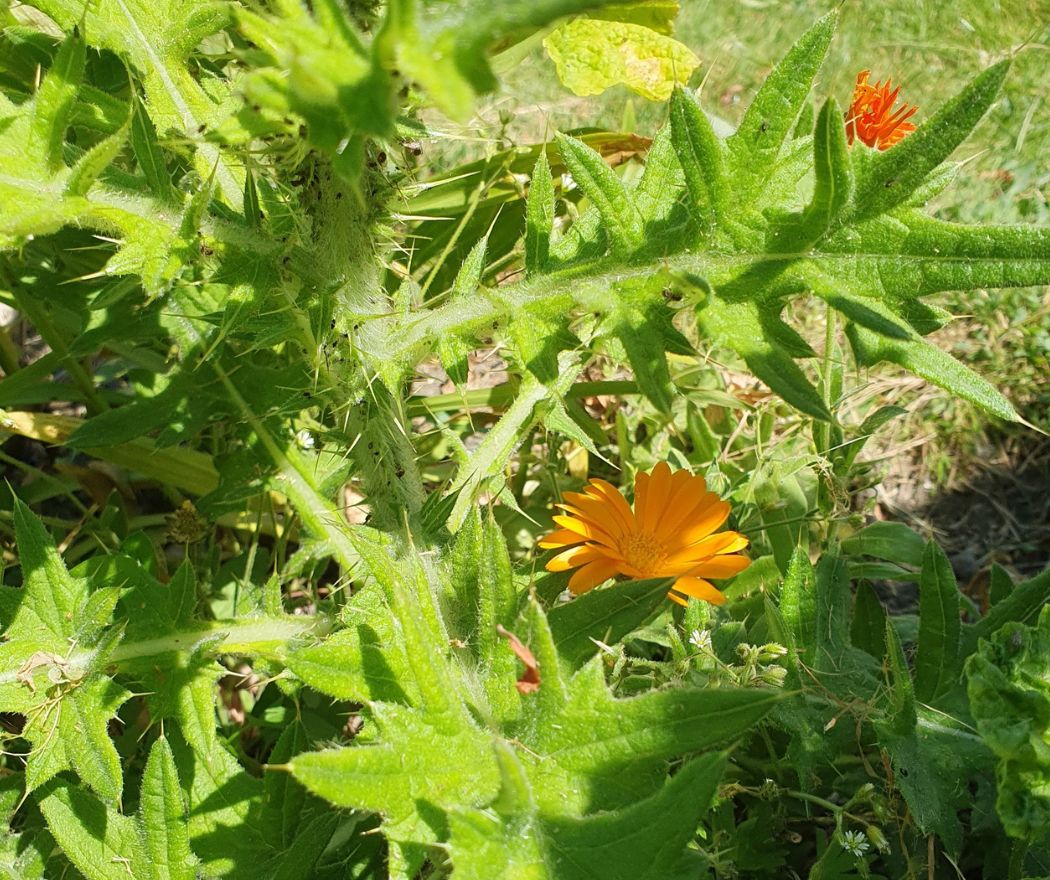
point(878, 839)
point(772, 651)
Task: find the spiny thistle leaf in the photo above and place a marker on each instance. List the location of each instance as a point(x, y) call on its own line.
point(771, 116)
point(68, 702)
point(700, 154)
point(607, 192)
point(577, 751)
point(861, 246)
point(539, 217)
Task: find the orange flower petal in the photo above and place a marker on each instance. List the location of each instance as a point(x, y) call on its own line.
point(697, 527)
point(583, 527)
point(872, 118)
point(658, 497)
point(619, 503)
point(592, 574)
point(674, 597)
point(684, 483)
point(595, 510)
point(671, 532)
point(641, 497)
point(560, 538)
point(689, 505)
point(723, 542)
point(720, 567)
point(574, 557)
point(699, 589)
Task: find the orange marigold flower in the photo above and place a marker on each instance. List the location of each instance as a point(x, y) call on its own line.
point(671, 532)
point(871, 116)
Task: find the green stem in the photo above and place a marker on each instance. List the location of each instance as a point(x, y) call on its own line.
point(258, 637)
point(827, 370)
point(320, 515)
point(500, 395)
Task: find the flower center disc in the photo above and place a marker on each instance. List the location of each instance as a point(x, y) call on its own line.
point(644, 552)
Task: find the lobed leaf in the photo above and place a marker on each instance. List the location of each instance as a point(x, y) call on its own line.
point(700, 154)
point(771, 115)
point(539, 217)
point(605, 190)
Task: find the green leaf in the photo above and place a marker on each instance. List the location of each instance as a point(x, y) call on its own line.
point(250, 201)
point(798, 603)
point(641, 321)
point(603, 753)
point(156, 38)
point(1007, 684)
point(901, 716)
point(417, 762)
point(700, 154)
point(887, 540)
point(1022, 606)
point(446, 50)
point(601, 185)
point(86, 171)
point(868, 630)
point(833, 186)
point(468, 278)
point(100, 842)
point(53, 103)
point(608, 615)
point(1000, 584)
point(541, 336)
point(937, 658)
point(286, 804)
point(593, 55)
point(363, 661)
point(494, 594)
point(53, 596)
point(163, 817)
point(299, 861)
point(148, 154)
point(645, 841)
point(772, 114)
point(831, 613)
point(83, 724)
point(489, 459)
point(891, 176)
point(740, 326)
point(95, 614)
point(221, 796)
point(932, 364)
point(539, 217)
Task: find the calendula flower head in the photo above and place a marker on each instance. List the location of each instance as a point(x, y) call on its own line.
point(672, 531)
point(871, 117)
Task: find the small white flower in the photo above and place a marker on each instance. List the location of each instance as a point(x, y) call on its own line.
point(855, 843)
point(701, 640)
point(304, 439)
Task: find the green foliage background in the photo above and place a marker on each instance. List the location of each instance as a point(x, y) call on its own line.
point(211, 218)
